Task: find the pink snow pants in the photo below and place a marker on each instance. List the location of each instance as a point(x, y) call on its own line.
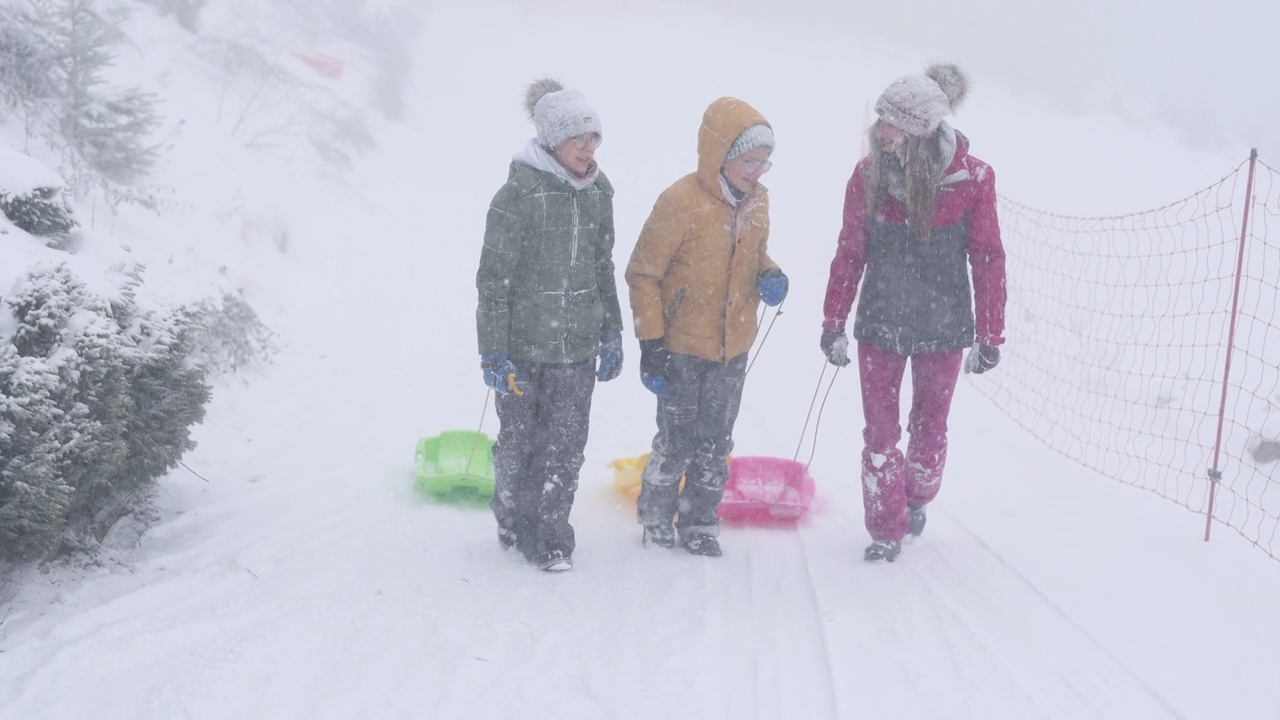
point(889, 481)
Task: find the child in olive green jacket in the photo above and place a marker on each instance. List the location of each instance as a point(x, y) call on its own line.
point(548, 308)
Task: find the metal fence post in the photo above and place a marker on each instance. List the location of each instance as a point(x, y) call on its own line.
point(1215, 472)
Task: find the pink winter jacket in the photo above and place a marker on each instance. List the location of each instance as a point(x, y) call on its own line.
point(915, 293)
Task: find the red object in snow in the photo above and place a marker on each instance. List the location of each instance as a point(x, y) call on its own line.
point(326, 65)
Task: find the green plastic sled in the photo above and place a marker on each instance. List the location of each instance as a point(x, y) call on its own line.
point(456, 463)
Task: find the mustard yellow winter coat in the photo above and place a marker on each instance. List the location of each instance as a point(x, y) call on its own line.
point(692, 274)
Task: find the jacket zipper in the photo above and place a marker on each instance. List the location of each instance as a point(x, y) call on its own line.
point(573, 261)
point(728, 285)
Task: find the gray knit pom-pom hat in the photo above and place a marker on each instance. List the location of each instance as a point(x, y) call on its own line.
point(916, 104)
point(559, 114)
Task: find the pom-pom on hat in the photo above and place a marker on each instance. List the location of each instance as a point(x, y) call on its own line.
point(559, 114)
point(750, 139)
point(916, 104)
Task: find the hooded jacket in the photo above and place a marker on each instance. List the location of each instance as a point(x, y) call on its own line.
point(692, 275)
point(546, 277)
point(915, 293)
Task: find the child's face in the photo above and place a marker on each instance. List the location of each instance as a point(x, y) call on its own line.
point(744, 171)
point(889, 136)
point(577, 152)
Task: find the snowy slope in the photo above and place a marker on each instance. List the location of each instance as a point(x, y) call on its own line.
point(303, 576)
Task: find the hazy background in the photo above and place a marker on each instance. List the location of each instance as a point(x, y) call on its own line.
point(299, 574)
point(1205, 70)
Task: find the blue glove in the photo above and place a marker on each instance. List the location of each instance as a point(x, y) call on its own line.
point(653, 367)
point(657, 385)
point(610, 356)
point(502, 375)
point(773, 286)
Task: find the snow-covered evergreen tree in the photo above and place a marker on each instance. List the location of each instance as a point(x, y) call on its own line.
point(167, 392)
point(97, 398)
point(59, 50)
point(26, 69)
point(33, 497)
point(38, 423)
point(186, 12)
point(101, 387)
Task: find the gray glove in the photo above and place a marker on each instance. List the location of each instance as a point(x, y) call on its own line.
point(981, 358)
point(835, 345)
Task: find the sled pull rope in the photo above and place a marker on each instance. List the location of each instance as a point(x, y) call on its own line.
point(479, 429)
point(814, 448)
point(760, 345)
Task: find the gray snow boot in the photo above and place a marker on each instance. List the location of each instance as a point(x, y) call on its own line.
point(704, 545)
point(915, 518)
point(886, 550)
point(663, 535)
point(507, 537)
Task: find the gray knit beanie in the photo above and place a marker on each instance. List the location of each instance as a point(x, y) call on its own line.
point(916, 104)
point(750, 139)
point(559, 114)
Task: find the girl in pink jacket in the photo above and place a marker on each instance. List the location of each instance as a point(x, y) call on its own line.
point(919, 220)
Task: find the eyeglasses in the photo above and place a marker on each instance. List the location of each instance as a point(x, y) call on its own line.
point(756, 166)
point(585, 140)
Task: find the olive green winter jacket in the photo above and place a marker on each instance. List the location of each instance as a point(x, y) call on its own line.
point(546, 277)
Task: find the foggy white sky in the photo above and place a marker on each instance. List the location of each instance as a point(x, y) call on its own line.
point(1202, 69)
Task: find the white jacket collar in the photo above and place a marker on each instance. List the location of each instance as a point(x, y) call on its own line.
point(537, 157)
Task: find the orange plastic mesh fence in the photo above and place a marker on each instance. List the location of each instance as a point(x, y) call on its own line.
point(1117, 335)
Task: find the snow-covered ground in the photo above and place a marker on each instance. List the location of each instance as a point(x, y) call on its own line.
point(302, 576)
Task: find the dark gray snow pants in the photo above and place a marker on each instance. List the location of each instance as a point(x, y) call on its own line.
point(539, 452)
point(695, 436)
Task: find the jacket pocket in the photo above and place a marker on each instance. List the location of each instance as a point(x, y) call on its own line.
point(669, 313)
point(538, 318)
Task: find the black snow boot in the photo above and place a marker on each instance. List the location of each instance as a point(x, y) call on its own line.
point(704, 545)
point(915, 518)
point(661, 535)
point(886, 550)
point(554, 561)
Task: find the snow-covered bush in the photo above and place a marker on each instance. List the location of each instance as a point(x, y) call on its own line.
point(42, 211)
point(227, 336)
point(34, 198)
point(97, 398)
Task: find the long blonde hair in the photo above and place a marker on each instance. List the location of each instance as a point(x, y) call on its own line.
point(918, 164)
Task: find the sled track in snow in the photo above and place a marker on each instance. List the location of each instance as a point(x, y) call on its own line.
point(782, 613)
point(949, 630)
point(930, 582)
point(815, 612)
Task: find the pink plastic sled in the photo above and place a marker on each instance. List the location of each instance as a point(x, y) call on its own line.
point(766, 489)
point(760, 489)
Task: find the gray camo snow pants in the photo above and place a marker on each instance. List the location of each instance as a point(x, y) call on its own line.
point(695, 436)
